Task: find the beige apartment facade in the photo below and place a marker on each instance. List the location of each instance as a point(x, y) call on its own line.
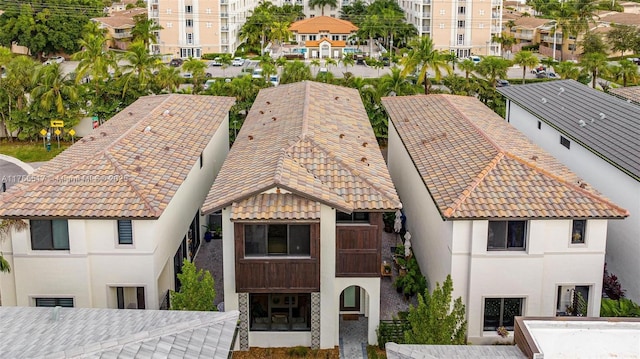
point(191, 28)
point(464, 28)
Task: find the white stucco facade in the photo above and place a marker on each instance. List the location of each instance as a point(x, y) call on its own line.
point(96, 264)
point(623, 236)
point(330, 289)
point(459, 248)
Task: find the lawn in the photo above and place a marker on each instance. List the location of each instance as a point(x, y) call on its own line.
point(31, 151)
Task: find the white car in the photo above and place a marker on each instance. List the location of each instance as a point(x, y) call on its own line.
point(238, 61)
point(54, 60)
point(257, 73)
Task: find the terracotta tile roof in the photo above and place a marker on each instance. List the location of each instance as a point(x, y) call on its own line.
point(316, 43)
point(476, 165)
point(130, 167)
point(310, 139)
point(529, 22)
point(631, 94)
point(275, 206)
point(121, 19)
point(317, 24)
point(622, 19)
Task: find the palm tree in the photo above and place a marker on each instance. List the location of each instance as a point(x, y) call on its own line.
point(347, 61)
point(226, 61)
point(397, 83)
point(505, 41)
point(422, 56)
point(322, 3)
point(168, 79)
point(52, 89)
point(145, 30)
point(295, 71)
point(330, 62)
point(139, 68)
point(93, 59)
point(370, 27)
point(492, 68)
point(525, 59)
point(594, 63)
point(468, 66)
point(280, 31)
point(628, 71)
point(567, 70)
point(315, 63)
point(196, 68)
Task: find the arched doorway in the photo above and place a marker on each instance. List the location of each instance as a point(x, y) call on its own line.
point(354, 321)
point(325, 50)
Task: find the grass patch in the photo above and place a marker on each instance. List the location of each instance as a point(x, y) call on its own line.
point(295, 352)
point(373, 352)
point(31, 151)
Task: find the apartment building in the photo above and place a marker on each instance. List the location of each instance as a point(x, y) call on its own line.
point(195, 27)
point(463, 27)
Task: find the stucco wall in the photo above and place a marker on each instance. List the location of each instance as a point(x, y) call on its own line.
point(623, 243)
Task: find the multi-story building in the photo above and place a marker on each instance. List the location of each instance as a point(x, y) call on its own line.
point(191, 28)
point(462, 27)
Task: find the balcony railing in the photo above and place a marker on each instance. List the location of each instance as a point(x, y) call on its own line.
point(523, 36)
point(122, 35)
point(224, 28)
point(224, 1)
point(496, 2)
point(426, 2)
point(154, 13)
point(549, 39)
point(224, 15)
point(426, 29)
point(426, 15)
point(496, 29)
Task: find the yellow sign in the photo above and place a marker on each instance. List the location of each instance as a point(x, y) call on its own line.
point(57, 132)
point(72, 132)
point(43, 132)
point(57, 123)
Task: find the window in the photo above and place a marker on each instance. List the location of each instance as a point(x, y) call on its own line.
point(344, 37)
point(442, 25)
point(442, 11)
point(335, 37)
point(208, 11)
point(461, 24)
point(573, 300)
point(54, 302)
point(565, 142)
point(189, 38)
point(208, 25)
point(188, 9)
point(125, 232)
point(460, 39)
point(303, 37)
point(312, 37)
point(311, 16)
point(200, 159)
point(277, 240)
point(188, 22)
point(462, 10)
point(280, 312)
point(501, 312)
point(578, 231)
point(572, 47)
point(481, 12)
point(507, 235)
point(481, 25)
point(539, 125)
point(49, 234)
point(169, 25)
point(353, 217)
point(130, 297)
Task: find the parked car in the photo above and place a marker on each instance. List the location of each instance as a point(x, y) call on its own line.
point(385, 61)
point(208, 84)
point(635, 60)
point(238, 61)
point(257, 73)
point(176, 62)
point(54, 60)
point(216, 62)
point(187, 75)
point(502, 83)
point(360, 60)
point(275, 81)
point(475, 59)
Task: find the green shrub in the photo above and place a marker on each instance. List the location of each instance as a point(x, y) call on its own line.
point(534, 47)
point(299, 352)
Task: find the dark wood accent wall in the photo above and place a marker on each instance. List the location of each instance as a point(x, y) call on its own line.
point(358, 248)
point(277, 274)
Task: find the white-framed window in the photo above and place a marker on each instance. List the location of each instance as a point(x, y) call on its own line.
point(501, 312)
point(189, 38)
point(280, 240)
point(188, 22)
point(54, 302)
point(460, 39)
point(442, 11)
point(209, 25)
point(303, 37)
point(125, 231)
point(312, 37)
point(442, 25)
point(188, 9)
point(169, 25)
point(578, 231)
point(208, 11)
point(335, 37)
point(130, 297)
point(481, 25)
point(481, 12)
point(49, 235)
point(462, 9)
point(168, 11)
point(461, 24)
point(507, 235)
point(572, 300)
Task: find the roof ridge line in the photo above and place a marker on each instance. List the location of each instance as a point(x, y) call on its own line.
point(339, 160)
point(473, 125)
point(567, 183)
point(112, 160)
point(477, 180)
point(305, 110)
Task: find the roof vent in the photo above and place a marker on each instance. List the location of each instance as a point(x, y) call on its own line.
point(250, 137)
point(543, 100)
point(364, 144)
point(582, 123)
point(274, 118)
point(560, 91)
point(602, 116)
point(342, 135)
point(337, 98)
point(534, 158)
point(103, 134)
point(137, 157)
point(167, 148)
point(583, 185)
point(166, 113)
point(268, 103)
point(261, 112)
point(147, 129)
point(130, 113)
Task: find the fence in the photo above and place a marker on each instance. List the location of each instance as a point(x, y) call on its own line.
point(166, 301)
point(392, 331)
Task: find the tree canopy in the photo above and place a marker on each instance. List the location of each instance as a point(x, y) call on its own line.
point(196, 290)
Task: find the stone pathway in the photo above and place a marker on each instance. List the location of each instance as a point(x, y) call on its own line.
point(209, 258)
point(353, 338)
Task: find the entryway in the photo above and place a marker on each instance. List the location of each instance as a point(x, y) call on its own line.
point(353, 323)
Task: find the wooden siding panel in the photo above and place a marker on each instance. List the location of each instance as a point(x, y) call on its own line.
point(358, 249)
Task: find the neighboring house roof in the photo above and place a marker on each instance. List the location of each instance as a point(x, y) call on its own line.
point(622, 18)
point(530, 22)
point(476, 165)
point(630, 94)
point(30, 332)
point(316, 43)
point(130, 167)
point(412, 351)
point(567, 102)
point(121, 19)
point(317, 24)
point(312, 140)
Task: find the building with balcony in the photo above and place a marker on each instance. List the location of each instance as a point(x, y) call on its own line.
point(462, 27)
point(519, 233)
point(526, 31)
point(322, 36)
point(302, 194)
point(118, 25)
point(111, 219)
point(195, 27)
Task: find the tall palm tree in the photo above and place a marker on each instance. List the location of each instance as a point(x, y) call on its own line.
point(396, 82)
point(628, 71)
point(295, 71)
point(370, 27)
point(468, 66)
point(145, 30)
point(322, 4)
point(53, 90)
point(422, 56)
point(94, 59)
point(492, 68)
point(330, 62)
point(168, 79)
point(347, 61)
point(525, 59)
point(594, 64)
point(567, 70)
point(138, 71)
point(196, 67)
point(280, 31)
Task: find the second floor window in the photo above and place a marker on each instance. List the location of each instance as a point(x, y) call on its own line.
point(353, 217)
point(507, 235)
point(189, 22)
point(49, 234)
point(188, 9)
point(125, 232)
point(277, 240)
point(578, 231)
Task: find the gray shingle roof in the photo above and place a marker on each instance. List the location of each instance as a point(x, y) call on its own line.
point(563, 104)
point(407, 351)
point(114, 333)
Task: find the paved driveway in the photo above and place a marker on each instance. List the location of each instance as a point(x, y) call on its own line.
point(12, 171)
